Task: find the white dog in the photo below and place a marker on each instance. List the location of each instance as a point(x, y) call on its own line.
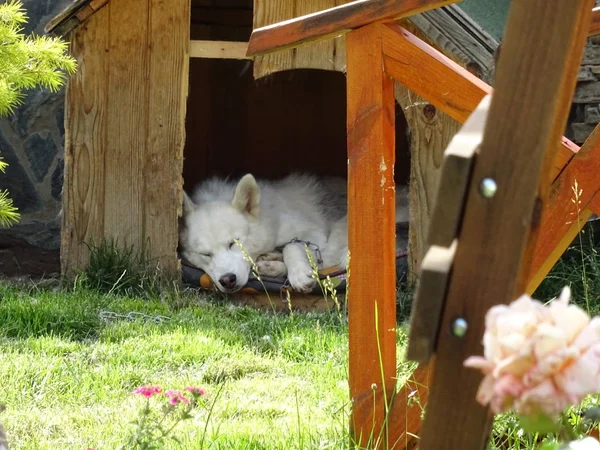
point(227, 224)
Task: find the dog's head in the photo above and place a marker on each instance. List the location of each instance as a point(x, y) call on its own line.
point(211, 233)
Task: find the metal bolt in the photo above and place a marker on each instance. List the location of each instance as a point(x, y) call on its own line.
point(459, 327)
point(488, 187)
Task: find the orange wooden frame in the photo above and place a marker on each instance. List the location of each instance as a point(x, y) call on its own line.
point(454, 90)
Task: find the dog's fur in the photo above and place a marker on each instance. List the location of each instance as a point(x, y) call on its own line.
point(263, 216)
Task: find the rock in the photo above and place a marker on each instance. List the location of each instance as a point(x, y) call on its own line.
point(57, 179)
point(41, 151)
point(60, 123)
point(591, 55)
point(592, 114)
point(35, 105)
point(586, 74)
point(581, 131)
point(15, 180)
point(36, 233)
point(587, 92)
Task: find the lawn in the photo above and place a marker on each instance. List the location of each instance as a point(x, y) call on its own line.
point(71, 357)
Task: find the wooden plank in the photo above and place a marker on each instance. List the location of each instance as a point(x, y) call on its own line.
point(218, 49)
point(163, 166)
point(447, 215)
point(564, 215)
point(595, 22)
point(528, 114)
point(327, 54)
point(85, 141)
point(127, 121)
point(441, 81)
point(65, 15)
point(371, 306)
point(84, 13)
point(97, 4)
point(334, 21)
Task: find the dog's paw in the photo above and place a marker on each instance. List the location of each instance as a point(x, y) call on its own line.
point(271, 268)
point(302, 280)
point(271, 256)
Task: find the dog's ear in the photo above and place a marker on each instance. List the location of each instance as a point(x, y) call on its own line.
point(247, 196)
point(188, 205)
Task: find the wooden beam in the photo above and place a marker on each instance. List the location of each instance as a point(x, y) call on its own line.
point(443, 82)
point(334, 22)
point(566, 210)
point(218, 49)
point(526, 118)
point(371, 306)
point(595, 22)
point(72, 16)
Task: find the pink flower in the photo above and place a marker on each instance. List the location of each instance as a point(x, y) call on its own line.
point(196, 391)
point(538, 358)
point(148, 391)
point(176, 397)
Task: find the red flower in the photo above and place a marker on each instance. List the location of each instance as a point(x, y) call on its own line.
point(148, 391)
point(196, 391)
point(176, 397)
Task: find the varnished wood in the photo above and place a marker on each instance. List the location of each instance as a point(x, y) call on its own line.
point(566, 209)
point(334, 21)
point(442, 81)
point(526, 117)
point(85, 141)
point(595, 22)
point(371, 306)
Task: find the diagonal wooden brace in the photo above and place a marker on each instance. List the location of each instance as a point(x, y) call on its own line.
point(525, 121)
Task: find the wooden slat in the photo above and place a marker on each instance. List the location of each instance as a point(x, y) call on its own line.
point(64, 15)
point(447, 215)
point(526, 118)
point(370, 125)
point(595, 22)
point(560, 222)
point(218, 49)
point(85, 141)
point(127, 121)
point(163, 168)
point(334, 21)
point(441, 81)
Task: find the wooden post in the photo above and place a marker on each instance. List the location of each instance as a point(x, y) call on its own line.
point(526, 118)
point(371, 226)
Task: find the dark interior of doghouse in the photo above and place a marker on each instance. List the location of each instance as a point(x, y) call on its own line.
point(290, 120)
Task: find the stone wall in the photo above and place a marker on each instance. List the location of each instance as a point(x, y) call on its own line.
point(31, 142)
point(585, 114)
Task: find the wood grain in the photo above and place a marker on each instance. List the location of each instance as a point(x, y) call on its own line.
point(566, 208)
point(526, 118)
point(85, 141)
point(446, 220)
point(595, 22)
point(163, 162)
point(333, 21)
point(328, 54)
point(65, 15)
point(127, 122)
point(441, 81)
point(218, 49)
point(371, 306)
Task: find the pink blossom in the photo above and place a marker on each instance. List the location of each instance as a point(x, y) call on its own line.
point(196, 391)
point(148, 391)
point(538, 358)
point(175, 397)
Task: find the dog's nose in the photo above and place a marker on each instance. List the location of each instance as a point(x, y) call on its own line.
point(228, 280)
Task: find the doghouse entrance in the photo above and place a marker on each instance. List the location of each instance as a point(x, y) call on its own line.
point(289, 121)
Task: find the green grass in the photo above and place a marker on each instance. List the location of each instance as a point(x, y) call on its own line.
point(67, 374)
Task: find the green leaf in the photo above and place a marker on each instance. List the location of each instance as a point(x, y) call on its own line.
point(539, 423)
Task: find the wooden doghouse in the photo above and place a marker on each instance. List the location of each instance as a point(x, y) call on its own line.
point(165, 89)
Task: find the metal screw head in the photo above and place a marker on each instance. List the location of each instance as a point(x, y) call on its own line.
point(459, 327)
point(488, 187)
